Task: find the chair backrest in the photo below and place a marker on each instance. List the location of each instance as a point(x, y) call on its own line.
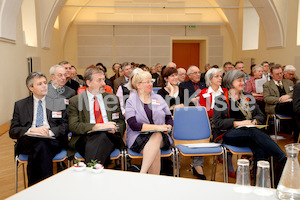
point(191, 125)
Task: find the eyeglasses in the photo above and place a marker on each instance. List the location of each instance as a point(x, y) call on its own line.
point(195, 73)
point(148, 82)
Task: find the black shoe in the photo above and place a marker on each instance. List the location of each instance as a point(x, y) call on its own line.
point(199, 176)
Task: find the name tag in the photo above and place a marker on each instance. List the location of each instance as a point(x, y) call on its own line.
point(206, 95)
point(66, 101)
point(155, 102)
point(291, 88)
point(57, 114)
point(115, 116)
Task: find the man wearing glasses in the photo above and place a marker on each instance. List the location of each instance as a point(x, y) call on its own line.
point(194, 86)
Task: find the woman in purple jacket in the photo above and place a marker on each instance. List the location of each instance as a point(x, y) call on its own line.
point(149, 123)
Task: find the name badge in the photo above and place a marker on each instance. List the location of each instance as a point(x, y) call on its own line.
point(206, 95)
point(155, 102)
point(291, 88)
point(66, 101)
point(57, 114)
point(115, 116)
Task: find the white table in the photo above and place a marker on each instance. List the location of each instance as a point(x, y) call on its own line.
point(114, 184)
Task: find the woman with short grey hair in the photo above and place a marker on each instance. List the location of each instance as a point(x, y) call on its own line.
point(250, 87)
point(236, 113)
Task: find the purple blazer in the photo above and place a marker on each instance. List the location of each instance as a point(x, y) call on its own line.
point(135, 108)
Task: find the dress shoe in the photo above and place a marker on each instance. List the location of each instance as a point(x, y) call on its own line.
point(199, 176)
point(232, 174)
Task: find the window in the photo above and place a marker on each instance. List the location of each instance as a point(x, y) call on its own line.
point(29, 22)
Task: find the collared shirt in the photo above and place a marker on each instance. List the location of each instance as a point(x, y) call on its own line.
point(102, 107)
point(214, 94)
point(251, 88)
point(267, 76)
point(45, 120)
point(277, 83)
point(126, 78)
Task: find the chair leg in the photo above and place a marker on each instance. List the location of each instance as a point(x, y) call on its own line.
point(24, 177)
point(125, 160)
point(16, 175)
point(174, 164)
point(276, 128)
point(225, 167)
point(214, 169)
point(272, 172)
point(177, 163)
point(122, 160)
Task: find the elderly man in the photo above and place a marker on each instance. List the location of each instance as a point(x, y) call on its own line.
point(126, 68)
point(74, 76)
point(181, 74)
point(278, 94)
point(239, 65)
point(58, 92)
point(289, 73)
point(96, 120)
point(69, 82)
point(41, 132)
point(194, 86)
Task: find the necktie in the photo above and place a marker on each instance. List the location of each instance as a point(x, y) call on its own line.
point(39, 115)
point(280, 85)
point(97, 111)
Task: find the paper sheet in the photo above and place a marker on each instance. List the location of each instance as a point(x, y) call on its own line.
point(259, 84)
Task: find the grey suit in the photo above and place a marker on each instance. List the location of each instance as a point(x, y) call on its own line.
point(57, 98)
point(271, 94)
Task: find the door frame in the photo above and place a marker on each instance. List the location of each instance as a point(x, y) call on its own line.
point(203, 47)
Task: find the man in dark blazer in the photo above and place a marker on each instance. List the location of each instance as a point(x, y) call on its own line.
point(41, 133)
point(126, 67)
point(194, 86)
point(69, 82)
point(96, 120)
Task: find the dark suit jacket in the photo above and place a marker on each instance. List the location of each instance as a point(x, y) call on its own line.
point(271, 94)
point(189, 85)
point(79, 115)
point(23, 117)
point(118, 82)
point(73, 84)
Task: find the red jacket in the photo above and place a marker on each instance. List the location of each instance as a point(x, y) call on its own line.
point(206, 100)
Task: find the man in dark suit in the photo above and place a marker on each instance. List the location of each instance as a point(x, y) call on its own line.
point(41, 132)
point(58, 92)
point(69, 82)
point(194, 85)
point(96, 120)
point(296, 106)
point(126, 68)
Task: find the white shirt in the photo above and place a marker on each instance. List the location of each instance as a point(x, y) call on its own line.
point(277, 83)
point(120, 95)
point(45, 120)
point(102, 107)
point(214, 94)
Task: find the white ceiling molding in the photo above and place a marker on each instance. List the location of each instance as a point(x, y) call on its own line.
point(271, 22)
point(8, 20)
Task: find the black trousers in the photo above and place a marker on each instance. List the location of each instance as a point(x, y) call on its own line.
point(98, 146)
point(40, 154)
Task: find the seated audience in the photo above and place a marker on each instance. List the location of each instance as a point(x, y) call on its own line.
point(289, 73)
point(126, 69)
point(103, 68)
point(115, 68)
point(181, 75)
point(171, 92)
point(91, 112)
point(31, 121)
point(227, 67)
point(237, 109)
point(146, 111)
point(250, 87)
point(123, 91)
point(69, 82)
point(107, 88)
point(207, 97)
point(74, 76)
point(239, 65)
point(194, 86)
point(266, 69)
point(206, 68)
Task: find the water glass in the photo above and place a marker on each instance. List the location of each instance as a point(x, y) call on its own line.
point(263, 181)
point(243, 176)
